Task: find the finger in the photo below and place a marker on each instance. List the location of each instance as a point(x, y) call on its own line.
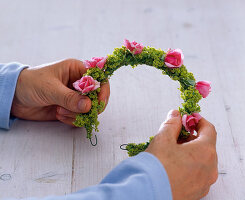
point(185, 140)
point(43, 114)
point(76, 69)
point(66, 113)
point(68, 71)
point(206, 131)
point(66, 120)
point(70, 99)
point(104, 93)
point(172, 125)
point(205, 192)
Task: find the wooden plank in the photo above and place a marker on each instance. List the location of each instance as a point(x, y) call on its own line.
point(227, 38)
point(35, 159)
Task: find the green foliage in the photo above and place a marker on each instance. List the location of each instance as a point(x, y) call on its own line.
point(90, 120)
point(134, 149)
point(151, 57)
point(97, 74)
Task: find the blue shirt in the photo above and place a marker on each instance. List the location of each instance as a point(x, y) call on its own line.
point(137, 178)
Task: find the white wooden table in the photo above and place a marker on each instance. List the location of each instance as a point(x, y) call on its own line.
point(44, 158)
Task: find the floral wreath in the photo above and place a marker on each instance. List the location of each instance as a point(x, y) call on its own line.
point(100, 69)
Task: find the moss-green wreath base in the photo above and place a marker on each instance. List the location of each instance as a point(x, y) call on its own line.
point(151, 57)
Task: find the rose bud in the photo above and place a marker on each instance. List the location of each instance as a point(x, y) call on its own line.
point(204, 88)
point(95, 62)
point(190, 121)
point(134, 47)
point(86, 84)
point(174, 58)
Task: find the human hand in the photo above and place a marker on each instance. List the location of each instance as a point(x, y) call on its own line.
point(44, 92)
point(191, 166)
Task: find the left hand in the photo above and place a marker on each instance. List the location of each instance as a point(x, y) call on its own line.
point(44, 92)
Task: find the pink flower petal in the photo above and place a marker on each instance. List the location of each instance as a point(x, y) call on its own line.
point(181, 53)
point(97, 59)
point(127, 44)
point(190, 122)
point(204, 88)
point(88, 89)
point(134, 47)
point(82, 85)
point(197, 116)
point(76, 85)
point(86, 64)
point(86, 84)
point(102, 62)
point(174, 58)
point(89, 63)
point(96, 85)
point(184, 119)
point(170, 65)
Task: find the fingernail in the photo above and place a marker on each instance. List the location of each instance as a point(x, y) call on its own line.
point(82, 104)
point(173, 113)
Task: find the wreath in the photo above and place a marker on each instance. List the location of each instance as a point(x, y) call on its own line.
point(100, 69)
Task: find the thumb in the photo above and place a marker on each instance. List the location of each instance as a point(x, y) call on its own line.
point(171, 127)
point(71, 100)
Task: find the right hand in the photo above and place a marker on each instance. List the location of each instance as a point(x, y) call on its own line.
point(191, 166)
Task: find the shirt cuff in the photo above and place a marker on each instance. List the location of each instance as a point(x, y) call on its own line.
point(157, 173)
point(9, 74)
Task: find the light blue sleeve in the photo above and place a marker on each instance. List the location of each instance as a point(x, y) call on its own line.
point(9, 74)
point(137, 178)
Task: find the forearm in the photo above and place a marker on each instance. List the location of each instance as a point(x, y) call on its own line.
point(9, 74)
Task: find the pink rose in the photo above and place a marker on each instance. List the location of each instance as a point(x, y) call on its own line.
point(96, 61)
point(174, 58)
point(134, 47)
point(190, 121)
point(86, 84)
point(204, 87)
